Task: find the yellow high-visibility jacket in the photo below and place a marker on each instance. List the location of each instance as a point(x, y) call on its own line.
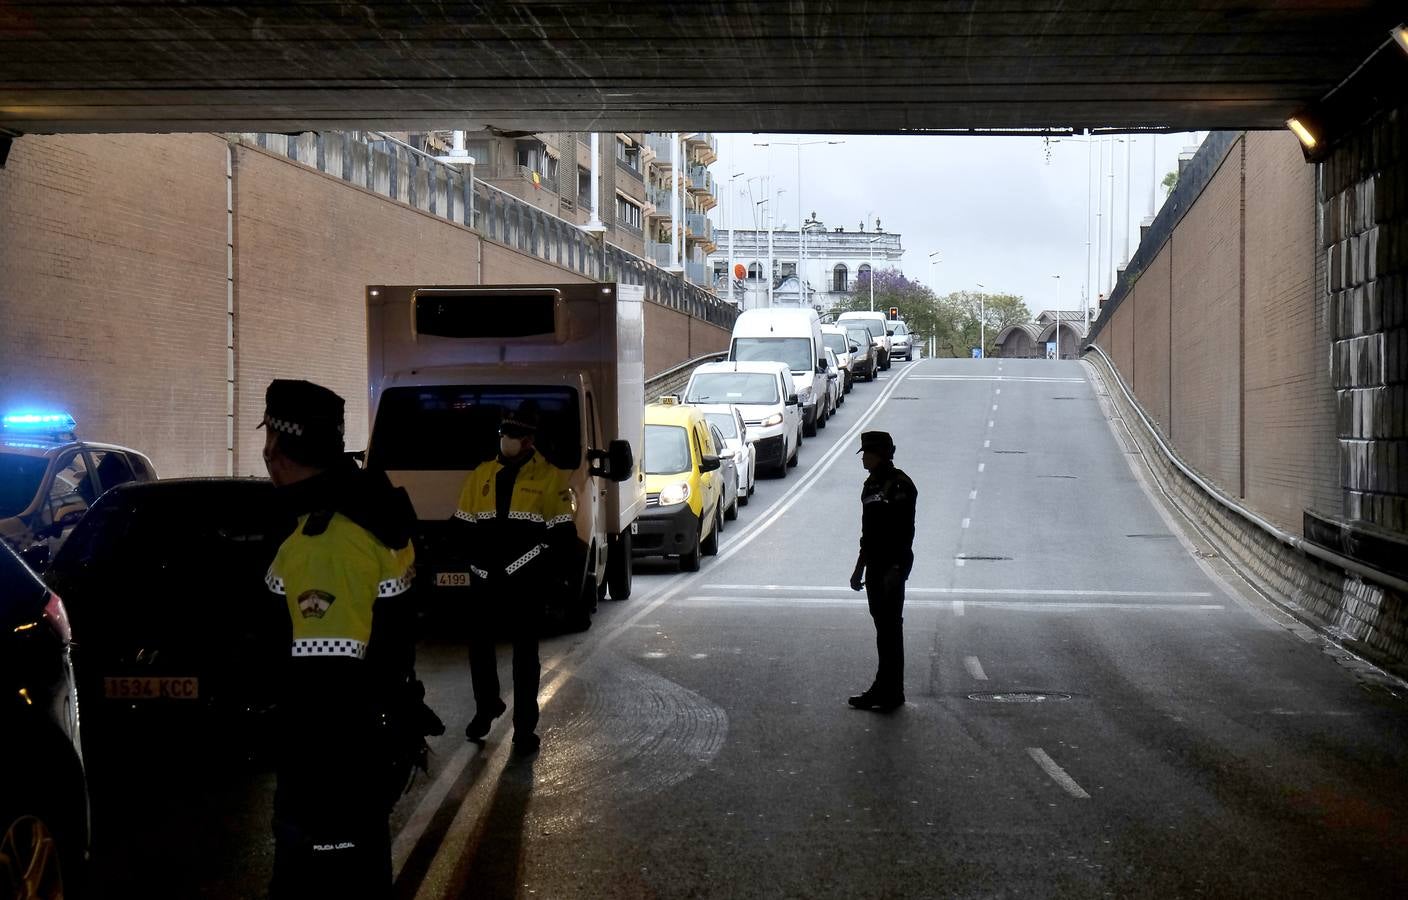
point(540, 521)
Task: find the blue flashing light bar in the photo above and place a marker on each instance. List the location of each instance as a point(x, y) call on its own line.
point(38, 423)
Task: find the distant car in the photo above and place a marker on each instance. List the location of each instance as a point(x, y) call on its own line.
point(838, 342)
point(879, 331)
point(901, 341)
point(865, 359)
point(765, 394)
point(684, 503)
point(44, 822)
point(165, 589)
point(49, 478)
point(729, 421)
point(728, 468)
point(834, 381)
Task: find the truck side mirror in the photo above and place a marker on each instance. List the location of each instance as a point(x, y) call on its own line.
point(614, 463)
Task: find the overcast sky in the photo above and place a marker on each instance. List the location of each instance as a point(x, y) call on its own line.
point(999, 212)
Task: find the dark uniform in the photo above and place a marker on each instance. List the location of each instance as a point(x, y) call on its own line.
point(348, 697)
point(886, 557)
point(517, 518)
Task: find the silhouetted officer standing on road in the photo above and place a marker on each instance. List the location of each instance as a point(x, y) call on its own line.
point(886, 556)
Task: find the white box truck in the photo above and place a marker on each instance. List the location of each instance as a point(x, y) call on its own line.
point(445, 363)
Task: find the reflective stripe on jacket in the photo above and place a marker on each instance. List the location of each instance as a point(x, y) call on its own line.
point(541, 516)
point(331, 580)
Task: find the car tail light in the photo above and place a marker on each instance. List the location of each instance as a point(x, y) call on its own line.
point(57, 617)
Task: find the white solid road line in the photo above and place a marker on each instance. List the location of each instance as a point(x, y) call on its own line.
point(975, 668)
point(761, 602)
point(1000, 592)
point(1021, 378)
point(1058, 774)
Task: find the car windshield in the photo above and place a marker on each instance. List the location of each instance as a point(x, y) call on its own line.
point(796, 352)
point(19, 482)
point(733, 387)
point(725, 422)
point(859, 335)
point(872, 326)
point(666, 449)
point(457, 426)
point(836, 343)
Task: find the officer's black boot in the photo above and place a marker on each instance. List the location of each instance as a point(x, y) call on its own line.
point(483, 720)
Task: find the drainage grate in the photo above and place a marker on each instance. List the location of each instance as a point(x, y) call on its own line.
point(904, 398)
point(1063, 398)
point(982, 558)
point(1058, 476)
point(1020, 697)
point(1154, 537)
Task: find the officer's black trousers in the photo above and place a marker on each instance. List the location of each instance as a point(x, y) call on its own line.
point(516, 614)
point(332, 803)
point(884, 588)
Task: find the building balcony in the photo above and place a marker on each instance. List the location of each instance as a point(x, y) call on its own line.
point(659, 198)
point(660, 254)
point(699, 228)
point(703, 145)
point(635, 172)
point(698, 273)
point(659, 144)
point(701, 180)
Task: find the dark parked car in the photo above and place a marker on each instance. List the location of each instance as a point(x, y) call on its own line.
point(43, 795)
point(178, 636)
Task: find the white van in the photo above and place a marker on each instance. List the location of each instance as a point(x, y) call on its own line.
point(879, 328)
point(791, 336)
point(766, 395)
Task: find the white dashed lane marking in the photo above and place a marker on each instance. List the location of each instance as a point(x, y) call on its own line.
point(975, 668)
point(1058, 774)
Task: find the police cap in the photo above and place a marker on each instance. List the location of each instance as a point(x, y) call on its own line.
point(310, 415)
point(522, 422)
point(878, 441)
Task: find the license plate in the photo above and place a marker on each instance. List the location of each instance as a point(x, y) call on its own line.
point(635, 528)
point(452, 579)
point(151, 688)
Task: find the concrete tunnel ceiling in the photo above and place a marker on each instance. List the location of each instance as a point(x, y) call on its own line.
point(586, 65)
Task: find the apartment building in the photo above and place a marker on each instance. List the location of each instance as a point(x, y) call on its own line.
point(696, 151)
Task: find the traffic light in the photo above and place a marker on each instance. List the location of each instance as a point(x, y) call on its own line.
point(894, 312)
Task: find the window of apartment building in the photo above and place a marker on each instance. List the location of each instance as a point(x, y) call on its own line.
point(840, 282)
point(789, 269)
point(628, 154)
point(584, 185)
point(535, 158)
point(627, 213)
point(755, 272)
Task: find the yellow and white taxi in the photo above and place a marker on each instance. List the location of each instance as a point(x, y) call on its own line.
point(684, 502)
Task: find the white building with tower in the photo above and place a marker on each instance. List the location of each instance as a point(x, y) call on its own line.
point(817, 268)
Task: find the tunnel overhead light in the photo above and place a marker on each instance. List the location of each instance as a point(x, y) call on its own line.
point(1400, 34)
point(1307, 139)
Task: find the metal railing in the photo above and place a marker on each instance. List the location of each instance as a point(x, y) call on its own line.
point(701, 179)
point(698, 225)
point(660, 254)
point(660, 197)
point(673, 380)
point(697, 272)
point(660, 143)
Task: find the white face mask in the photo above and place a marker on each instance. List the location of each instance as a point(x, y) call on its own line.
point(510, 447)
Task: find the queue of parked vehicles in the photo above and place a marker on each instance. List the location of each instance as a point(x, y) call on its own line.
point(653, 480)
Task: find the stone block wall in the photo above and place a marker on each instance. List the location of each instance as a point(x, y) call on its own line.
point(1363, 197)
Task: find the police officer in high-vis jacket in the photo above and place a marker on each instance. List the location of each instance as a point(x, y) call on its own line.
point(886, 556)
point(349, 684)
point(517, 530)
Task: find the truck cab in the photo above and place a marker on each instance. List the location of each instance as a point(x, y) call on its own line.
point(447, 362)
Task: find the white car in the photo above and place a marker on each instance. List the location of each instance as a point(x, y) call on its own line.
point(728, 468)
point(839, 342)
point(834, 388)
point(729, 421)
point(766, 395)
point(901, 341)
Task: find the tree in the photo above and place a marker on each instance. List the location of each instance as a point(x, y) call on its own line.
point(1170, 182)
point(997, 310)
point(918, 305)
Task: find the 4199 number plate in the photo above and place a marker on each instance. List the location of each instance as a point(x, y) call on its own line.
point(452, 579)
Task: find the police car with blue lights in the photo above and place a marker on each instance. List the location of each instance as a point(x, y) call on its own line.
point(49, 478)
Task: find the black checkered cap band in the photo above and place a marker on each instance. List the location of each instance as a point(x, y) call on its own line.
point(288, 426)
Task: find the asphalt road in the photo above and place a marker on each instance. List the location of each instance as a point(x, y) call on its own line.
point(1093, 709)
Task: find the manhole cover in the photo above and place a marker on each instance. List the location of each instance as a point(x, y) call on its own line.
point(1057, 476)
point(1020, 452)
point(1020, 697)
point(989, 558)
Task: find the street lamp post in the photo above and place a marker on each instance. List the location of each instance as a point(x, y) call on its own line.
point(1057, 311)
point(801, 250)
point(871, 275)
point(982, 321)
